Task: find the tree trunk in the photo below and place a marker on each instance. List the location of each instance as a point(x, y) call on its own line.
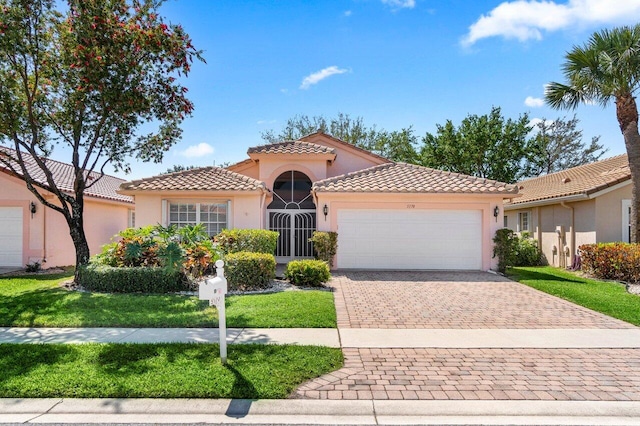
point(627, 112)
point(76, 230)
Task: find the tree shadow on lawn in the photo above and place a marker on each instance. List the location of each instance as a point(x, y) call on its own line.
point(17, 360)
point(522, 274)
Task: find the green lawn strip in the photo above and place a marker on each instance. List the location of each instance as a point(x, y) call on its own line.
point(178, 370)
point(609, 298)
point(39, 301)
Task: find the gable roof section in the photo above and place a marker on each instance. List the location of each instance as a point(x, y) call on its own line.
point(291, 147)
point(63, 175)
point(201, 179)
point(582, 180)
point(347, 145)
point(410, 178)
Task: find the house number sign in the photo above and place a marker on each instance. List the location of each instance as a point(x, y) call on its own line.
point(214, 290)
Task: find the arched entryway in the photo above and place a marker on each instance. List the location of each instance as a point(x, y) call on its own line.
point(293, 214)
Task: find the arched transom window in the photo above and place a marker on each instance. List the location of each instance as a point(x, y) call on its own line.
point(292, 190)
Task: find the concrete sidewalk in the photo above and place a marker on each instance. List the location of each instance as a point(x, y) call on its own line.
point(344, 337)
point(370, 412)
point(296, 336)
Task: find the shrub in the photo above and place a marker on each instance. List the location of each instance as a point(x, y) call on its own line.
point(505, 244)
point(325, 244)
point(142, 279)
point(527, 252)
point(33, 267)
point(188, 249)
point(611, 261)
point(248, 240)
point(308, 273)
point(249, 271)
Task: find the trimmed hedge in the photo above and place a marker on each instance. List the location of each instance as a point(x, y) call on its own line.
point(248, 240)
point(325, 244)
point(249, 271)
point(142, 279)
point(307, 273)
point(612, 261)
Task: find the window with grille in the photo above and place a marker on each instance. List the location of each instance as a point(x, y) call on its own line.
point(523, 221)
point(213, 216)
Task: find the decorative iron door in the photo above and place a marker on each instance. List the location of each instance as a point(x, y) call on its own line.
point(295, 228)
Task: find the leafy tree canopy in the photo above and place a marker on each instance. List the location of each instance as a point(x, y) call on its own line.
point(557, 145)
point(487, 146)
point(96, 76)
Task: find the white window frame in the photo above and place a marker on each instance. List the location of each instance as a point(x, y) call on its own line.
point(522, 215)
point(166, 210)
point(505, 221)
point(626, 220)
point(132, 218)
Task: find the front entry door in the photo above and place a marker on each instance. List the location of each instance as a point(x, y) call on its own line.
point(295, 228)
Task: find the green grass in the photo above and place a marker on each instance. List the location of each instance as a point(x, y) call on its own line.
point(159, 370)
point(39, 301)
point(609, 298)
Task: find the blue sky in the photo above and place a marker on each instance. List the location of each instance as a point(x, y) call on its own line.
point(395, 63)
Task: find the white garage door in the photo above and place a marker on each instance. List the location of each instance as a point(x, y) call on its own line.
point(10, 236)
point(410, 239)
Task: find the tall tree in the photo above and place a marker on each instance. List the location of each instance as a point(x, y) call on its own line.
point(395, 145)
point(487, 146)
point(607, 68)
point(88, 77)
point(557, 145)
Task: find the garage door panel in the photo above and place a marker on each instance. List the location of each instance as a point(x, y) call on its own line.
point(416, 239)
point(11, 236)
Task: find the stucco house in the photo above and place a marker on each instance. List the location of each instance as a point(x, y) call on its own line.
point(387, 215)
point(31, 232)
point(582, 205)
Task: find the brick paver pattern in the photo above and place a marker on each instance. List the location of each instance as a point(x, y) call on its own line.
point(375, 299)
point(482, 374)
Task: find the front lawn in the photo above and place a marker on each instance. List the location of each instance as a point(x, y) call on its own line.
point(159, 370)
point(39, 301)
point(609, 298)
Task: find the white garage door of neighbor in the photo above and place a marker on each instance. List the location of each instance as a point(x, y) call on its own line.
point(410, 239)
point(10, 236)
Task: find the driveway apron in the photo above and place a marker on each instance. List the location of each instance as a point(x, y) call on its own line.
point(473, 304)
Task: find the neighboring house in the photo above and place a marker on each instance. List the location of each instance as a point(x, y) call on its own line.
point(387, 215)
point(582, 205)
point(31, 232)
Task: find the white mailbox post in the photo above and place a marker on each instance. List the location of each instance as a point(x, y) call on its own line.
point(214, 290)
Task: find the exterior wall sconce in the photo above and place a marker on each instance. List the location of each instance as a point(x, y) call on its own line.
point(32, 208)
point(496, 212)
point(325, 211)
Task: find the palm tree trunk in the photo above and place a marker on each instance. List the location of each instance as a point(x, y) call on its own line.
point(627, 112)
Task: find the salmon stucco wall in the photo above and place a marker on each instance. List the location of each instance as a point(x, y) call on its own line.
point(246, 211)
point(486, 204)
point(46, 233)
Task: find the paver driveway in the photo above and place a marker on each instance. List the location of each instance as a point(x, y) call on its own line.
point(425, 299)
point(469, 300)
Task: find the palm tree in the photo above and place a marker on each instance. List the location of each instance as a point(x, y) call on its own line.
point(607, 68)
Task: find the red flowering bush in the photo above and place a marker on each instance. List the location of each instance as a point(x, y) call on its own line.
point(612, 261)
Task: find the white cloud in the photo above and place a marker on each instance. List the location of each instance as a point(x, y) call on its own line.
point(400, 4)
point(533, 102)
point(318, 76)
point(347, 13)
point(200, 150)
point(528, 19)
point(261, 122)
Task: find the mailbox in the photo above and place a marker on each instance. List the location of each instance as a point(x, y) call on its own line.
point(214, 288)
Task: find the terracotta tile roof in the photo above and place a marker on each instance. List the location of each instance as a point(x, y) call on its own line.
point(403, 177)
point(291, 147)
point(585, 179)
point(201, 179)
point(345, 144)
point(63, 175)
